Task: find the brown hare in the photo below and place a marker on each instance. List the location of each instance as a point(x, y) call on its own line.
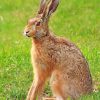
point(55, 58)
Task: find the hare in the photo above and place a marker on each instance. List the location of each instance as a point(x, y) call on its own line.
point(55, 58)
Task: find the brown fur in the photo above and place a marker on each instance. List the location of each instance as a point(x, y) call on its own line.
point(58, 59)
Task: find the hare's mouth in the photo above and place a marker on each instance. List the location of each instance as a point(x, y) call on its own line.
point(27, 35)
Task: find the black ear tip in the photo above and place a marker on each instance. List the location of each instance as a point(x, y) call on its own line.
point(47, 7)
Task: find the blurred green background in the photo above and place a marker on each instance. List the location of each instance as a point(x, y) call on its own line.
point(77, 20)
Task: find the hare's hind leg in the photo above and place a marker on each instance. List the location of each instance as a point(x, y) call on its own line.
point(57, 86)
point(57, 91)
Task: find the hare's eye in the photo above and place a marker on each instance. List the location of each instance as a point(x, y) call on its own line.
point(38, 24)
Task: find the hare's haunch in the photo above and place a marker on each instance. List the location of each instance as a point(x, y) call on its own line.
point(55, 58)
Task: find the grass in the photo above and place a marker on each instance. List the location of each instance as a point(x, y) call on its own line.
point(77, 20)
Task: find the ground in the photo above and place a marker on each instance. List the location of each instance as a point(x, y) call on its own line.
point(77, 20)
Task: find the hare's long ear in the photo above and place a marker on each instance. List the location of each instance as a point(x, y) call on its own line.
point(53, 6)
point(42, 6)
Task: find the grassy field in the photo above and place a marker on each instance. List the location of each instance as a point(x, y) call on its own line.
point(77, 20)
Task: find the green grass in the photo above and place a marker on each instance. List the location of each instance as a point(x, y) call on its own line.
point(77, 20)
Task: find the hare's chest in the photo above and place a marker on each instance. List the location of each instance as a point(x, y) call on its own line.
point(46, 54)
point(39, 57)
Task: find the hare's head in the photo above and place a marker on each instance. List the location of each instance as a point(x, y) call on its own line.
point(38, 26)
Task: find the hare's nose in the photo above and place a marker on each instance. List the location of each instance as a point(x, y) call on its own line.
point(27, 31)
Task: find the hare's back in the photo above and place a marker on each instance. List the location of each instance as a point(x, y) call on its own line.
point(63, 51)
